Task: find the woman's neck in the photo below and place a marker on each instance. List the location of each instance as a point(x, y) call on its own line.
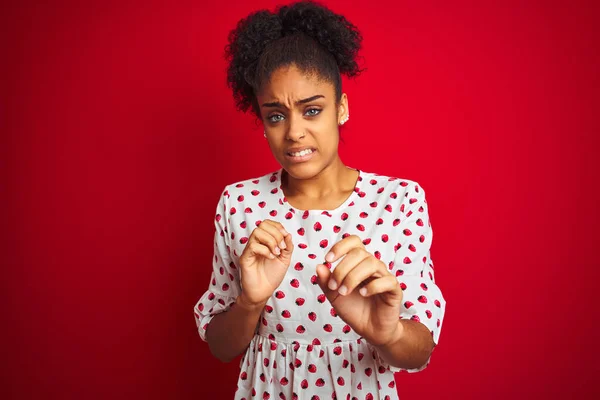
point(334, 182)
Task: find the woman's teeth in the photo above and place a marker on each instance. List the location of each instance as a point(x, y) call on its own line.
point(301, 153)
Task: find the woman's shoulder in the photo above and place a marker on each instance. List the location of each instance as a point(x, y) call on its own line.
point(390, 182)
point(252, 186)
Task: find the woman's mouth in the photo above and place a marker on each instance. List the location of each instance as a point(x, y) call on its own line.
point(300, 156)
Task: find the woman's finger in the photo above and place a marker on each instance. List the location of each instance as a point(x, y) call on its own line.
point(351, 259)
point(276, 225)
point(260, 249)
point(279, 226)
point(289, 245)
point(276, 232)
point(323, 274)
point(367, 268)
point(381, 285)
point(261, 236)
point(343, 247)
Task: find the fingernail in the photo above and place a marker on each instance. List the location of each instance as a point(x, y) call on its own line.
point(343, 290)
point(363, 291)
point(332, 284)
point(282, 244)
point(283, 232)
point(277, 251)
point(329, 256)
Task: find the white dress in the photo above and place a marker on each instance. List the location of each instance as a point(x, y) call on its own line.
point(301, 348)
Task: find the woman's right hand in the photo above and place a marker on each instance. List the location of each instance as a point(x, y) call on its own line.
point(264, 262)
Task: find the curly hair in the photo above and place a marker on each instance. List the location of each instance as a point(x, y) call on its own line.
point(310, 36)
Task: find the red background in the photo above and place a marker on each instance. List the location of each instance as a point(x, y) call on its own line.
point(118, 135)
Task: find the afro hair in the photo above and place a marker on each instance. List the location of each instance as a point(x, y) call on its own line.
point(305, 33)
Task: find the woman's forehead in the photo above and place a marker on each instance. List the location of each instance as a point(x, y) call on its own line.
point(289, 82)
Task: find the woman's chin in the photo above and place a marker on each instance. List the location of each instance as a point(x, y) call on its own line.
point(301, 170)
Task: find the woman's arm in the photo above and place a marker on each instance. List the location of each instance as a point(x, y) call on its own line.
point(229, 333)
point(412, 347)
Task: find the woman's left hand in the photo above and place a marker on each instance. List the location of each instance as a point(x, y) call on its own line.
point(374, 314)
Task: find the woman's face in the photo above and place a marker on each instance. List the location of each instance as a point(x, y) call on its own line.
point(299, 112)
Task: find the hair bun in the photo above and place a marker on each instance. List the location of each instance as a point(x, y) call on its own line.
point(332, 31)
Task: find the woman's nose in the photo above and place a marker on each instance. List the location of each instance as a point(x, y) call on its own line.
point(295, 128)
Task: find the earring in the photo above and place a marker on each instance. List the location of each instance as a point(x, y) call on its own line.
point(343, 121)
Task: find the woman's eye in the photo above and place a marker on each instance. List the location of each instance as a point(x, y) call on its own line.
point(273, 118)
point(278, 117)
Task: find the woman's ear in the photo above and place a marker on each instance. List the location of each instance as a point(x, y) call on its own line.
point(343, 112)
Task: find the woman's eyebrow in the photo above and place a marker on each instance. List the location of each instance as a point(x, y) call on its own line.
point(307, 100)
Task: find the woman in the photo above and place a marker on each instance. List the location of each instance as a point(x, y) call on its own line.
point(321, 272)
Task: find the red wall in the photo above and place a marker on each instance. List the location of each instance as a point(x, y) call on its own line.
point(118, 134)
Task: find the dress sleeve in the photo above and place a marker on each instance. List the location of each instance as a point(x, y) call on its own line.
point(423, 300)
point(224, 284)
